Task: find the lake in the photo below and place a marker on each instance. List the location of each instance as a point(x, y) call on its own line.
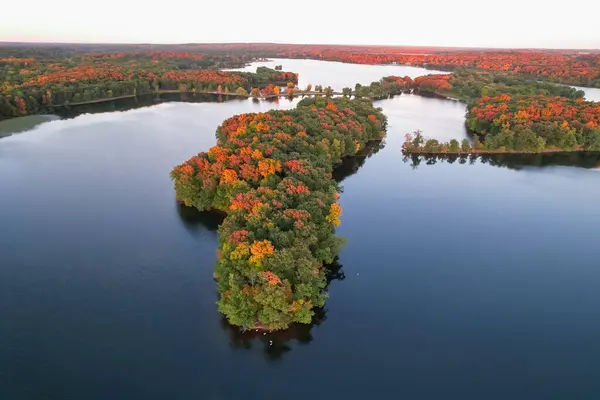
point(337, 74)
point(459, 280)
point(591, 94)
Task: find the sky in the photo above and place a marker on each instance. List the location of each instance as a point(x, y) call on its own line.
point(459, 23)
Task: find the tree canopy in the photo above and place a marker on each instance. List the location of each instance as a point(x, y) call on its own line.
point(272, 174)
point(33, 85)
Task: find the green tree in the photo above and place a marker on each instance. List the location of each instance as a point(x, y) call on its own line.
point(476, 142)
point(417, 139)
point(432, 146)
point(454, 147)
point(465, 146)
point(240, 91)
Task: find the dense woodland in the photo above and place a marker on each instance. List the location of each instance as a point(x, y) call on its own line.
point(566, 69)
point(572, 67)
point(31, 85)
point(272, 174)
point(509, 112)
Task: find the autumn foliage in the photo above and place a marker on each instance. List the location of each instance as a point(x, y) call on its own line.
point(508, 112)
point(433, 83)
point(272, 174)
point(32, 86)
point(564, 68)
point(570, 67)
point(548, 122)
point(203, 77)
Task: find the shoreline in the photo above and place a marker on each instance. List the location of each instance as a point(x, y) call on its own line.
point(489, 152)
point(174, 91)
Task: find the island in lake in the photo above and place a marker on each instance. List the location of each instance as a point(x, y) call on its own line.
point(173, 221)
point(272, 173)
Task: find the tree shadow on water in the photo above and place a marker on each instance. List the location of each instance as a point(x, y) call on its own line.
point(579, 159)
point(141, 101)
point(199, 222)
point(275, 344)
point(350, 165)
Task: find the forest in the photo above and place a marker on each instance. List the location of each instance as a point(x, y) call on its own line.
point(31, 86)
point(570, 67)
point(562, 66)
point(272, 174)
point(508, 112)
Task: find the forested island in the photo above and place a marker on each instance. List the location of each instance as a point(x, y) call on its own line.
point(272, 174)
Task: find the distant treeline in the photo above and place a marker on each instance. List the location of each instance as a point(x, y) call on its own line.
point(31, 85)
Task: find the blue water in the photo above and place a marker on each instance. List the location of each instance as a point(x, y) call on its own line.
point(465, 281)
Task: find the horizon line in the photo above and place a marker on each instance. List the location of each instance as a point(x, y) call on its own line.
point(2, 42)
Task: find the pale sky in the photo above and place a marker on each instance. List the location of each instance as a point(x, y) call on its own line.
point(468, 23)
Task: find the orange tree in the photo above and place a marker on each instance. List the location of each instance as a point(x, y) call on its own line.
point(272, 174)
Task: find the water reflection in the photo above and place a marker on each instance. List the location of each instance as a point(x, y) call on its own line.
point(351, 165)
point(23, 124)
point(132, 103)
point(581, 159)
point(198, 222)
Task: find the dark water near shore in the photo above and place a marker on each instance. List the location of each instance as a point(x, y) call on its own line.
point(459, 280)
point(23, 124)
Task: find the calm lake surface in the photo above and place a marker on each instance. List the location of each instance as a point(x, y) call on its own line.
point(591, 94)
point(460, 280)
point(336, 74)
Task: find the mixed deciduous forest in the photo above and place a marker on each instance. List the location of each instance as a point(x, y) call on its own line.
point(562, 66)
point(509, 112)
point(272, 174)
point(36, 76)
point(33, 85)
